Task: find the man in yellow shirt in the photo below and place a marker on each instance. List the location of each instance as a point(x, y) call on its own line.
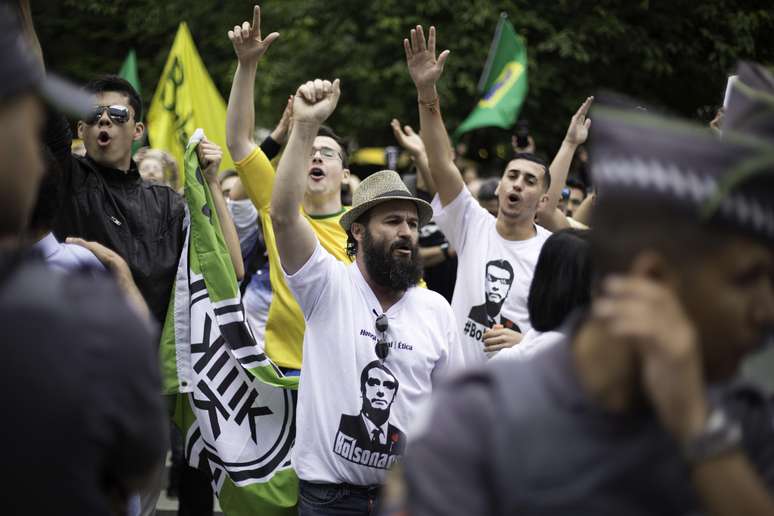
point(322, 199)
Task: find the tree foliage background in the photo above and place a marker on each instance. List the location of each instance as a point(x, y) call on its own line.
point(675, 55)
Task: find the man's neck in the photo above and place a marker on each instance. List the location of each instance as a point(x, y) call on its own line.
point(386, 296)
point(320, 205)
point(512, 228)
point(124, 165)
point(606, 367)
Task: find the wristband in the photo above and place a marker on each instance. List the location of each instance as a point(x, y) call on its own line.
point(720, 435)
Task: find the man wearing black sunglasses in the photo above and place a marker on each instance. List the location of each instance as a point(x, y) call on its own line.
point(103, 198)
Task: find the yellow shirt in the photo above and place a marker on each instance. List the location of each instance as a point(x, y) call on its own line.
point(285, 326)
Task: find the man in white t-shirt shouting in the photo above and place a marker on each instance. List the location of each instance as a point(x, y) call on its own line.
point(497, 255)
point(375, 344)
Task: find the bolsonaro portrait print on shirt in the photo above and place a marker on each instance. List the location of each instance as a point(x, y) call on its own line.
point(498, 280)
point(368, 438)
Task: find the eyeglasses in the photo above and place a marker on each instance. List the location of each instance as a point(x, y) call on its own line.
point(382, 349)
point(325, 152)
point(118, 114)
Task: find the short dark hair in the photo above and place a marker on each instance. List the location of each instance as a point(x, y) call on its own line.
point(47, 205)
point(351, 242)
point(376, 364)
point(327, 131)
point(574, 182)
point(528, 156)
point(501, 264)
point(105, 83)
point(562, 279)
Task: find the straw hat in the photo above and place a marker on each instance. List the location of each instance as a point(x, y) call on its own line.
point(385, 185)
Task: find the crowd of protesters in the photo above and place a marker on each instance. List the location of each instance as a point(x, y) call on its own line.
point(564, 338)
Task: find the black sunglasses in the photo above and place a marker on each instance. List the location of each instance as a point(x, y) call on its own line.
point(118, 114)
point(382, 349)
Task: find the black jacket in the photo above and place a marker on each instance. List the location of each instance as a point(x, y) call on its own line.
point(142, 222)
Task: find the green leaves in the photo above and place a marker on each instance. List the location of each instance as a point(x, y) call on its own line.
point(676, 55)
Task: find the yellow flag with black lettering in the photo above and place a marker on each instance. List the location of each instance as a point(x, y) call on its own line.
point(186, 99)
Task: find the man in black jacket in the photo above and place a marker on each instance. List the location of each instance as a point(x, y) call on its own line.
point(104, 199)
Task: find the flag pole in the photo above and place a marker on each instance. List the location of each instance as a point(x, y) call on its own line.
point(492, 49)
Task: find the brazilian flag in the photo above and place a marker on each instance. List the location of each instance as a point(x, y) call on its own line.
point(504, 82)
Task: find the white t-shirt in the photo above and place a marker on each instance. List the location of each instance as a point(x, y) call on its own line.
point(342, 436)
point(487, 263)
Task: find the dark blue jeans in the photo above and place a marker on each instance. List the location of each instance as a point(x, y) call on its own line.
point(336, 499)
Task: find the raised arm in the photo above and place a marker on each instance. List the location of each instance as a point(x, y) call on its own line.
point(312, 105)
point(414, 145)
point(210, 156)
point(576, 135)
point(240, 116)
point(425, 70)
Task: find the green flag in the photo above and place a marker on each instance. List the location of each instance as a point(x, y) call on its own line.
point(234, 407)
point(504, 82)
point(129, 72)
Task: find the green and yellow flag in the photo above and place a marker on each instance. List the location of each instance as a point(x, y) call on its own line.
point(234, 407)
point(186, 98)
point(504, 82)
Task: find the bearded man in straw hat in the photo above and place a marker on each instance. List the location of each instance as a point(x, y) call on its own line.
point(375, 344)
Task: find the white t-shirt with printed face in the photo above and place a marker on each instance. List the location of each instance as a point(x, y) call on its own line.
point(354, 409)
point(493, 274)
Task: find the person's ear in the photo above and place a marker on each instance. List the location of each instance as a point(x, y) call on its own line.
point(358, 232)
point(139, 129)
point(345, 176)
point(81, 128)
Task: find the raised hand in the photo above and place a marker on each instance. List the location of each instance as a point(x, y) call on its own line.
point(425, 69)
point(315, 101)
point(247, 41)
point(578, 130)
point(210, 155)
point(407, 138)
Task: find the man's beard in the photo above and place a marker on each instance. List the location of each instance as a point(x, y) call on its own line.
point(377, 416)
point(386, 270)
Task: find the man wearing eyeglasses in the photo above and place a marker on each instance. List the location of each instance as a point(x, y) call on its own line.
point(325, 164)
point(367, 325)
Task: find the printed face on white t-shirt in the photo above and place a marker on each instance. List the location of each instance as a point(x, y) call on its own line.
point(499, 276)
point(379, 389)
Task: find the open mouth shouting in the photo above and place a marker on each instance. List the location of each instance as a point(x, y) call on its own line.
point(402, 249)
point(513, 198)
point(316, 174)
point(104, 139)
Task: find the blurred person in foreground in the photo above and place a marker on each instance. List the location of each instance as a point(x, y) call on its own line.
point(639, 410)
point(496, 255)
point(80, 370)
